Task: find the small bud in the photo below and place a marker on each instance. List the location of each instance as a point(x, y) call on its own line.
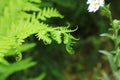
point(116, 23)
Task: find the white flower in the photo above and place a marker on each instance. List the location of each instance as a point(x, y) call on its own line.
point(94, 5)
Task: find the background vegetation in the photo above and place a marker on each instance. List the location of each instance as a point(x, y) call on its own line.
point(53, 61)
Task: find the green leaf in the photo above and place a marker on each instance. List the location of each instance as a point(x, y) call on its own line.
point(107, 35)
point(41, 77)
point(6, 70)
point(27, 46)
point(110, 59)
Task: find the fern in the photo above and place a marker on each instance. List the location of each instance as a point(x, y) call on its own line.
point(16, 25)
point(22, 27)
point(48, 13)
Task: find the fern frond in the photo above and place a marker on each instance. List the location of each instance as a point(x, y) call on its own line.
point(16, 25)
point(68, 40)
point(56, 35)
point(31, 7)
point(4, 48)
point(48, 13)
point(20, 25)
point(36, 1)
